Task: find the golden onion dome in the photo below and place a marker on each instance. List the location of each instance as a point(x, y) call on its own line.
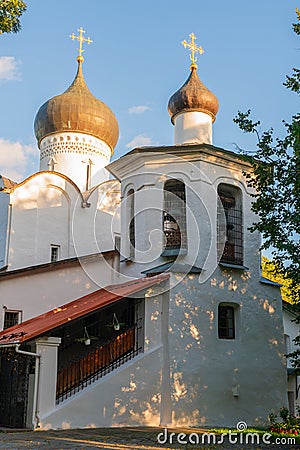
point(77, 110)
point(193, 96)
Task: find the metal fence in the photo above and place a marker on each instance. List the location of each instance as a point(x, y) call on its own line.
point(97, 363)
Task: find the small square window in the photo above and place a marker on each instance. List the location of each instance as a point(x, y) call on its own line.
point(54, 255)
point(11, 318)
point(226, 325)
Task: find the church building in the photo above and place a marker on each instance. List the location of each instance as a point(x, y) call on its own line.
point(131, 291)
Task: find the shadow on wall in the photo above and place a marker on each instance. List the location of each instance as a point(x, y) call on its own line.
point(219, 381)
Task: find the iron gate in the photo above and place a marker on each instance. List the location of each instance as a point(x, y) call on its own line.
point(14, 380)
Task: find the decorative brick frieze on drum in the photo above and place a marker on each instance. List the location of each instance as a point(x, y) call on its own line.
point(74, 143)
point(80, 156)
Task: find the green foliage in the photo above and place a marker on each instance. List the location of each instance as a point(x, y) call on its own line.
point(288, 293)
point(10, 13)
point(296, 26)
point(271, 272)
point(277, 428)
point(276, 168)
point(285, 423)
point(276, 179)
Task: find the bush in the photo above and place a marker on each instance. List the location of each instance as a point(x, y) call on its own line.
point(285, 424)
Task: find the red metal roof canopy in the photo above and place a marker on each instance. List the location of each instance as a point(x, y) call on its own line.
point(39, 325)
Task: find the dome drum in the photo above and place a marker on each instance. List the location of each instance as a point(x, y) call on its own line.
point(188, 110)
point(192, 127)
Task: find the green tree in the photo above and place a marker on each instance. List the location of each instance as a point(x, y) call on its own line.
point(271, 272)
point(276, 179)
point(10, 13)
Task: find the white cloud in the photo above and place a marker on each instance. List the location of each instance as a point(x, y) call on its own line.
point(9, 68)
point(139, 141)
point(138, 109)
point(16, 159)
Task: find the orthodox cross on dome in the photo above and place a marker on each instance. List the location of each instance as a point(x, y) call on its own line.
point(193, 49)
point(81, 40)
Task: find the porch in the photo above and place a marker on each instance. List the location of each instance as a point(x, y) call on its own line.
point(70, 348)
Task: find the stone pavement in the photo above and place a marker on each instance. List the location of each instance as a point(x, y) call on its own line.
point(140, 438)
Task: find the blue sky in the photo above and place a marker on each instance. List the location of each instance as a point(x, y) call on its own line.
point(136, 62)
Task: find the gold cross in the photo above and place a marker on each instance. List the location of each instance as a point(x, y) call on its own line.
point(193, 49)
point(81, 39)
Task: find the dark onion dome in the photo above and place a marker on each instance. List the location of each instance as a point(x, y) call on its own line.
point(77, 110)
point(193, 96)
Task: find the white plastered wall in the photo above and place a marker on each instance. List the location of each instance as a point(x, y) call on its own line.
point(48, 209)
point(128, 396)
point(38, 292)
point(219, 382)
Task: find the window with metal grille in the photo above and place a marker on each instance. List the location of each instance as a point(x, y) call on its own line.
point(226, 322)
point(230, 225)
point(11, 318)
point(174, 215)
point(131, 221)
point(54, 253)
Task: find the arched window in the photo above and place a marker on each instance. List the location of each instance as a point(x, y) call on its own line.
point(174, 217)
point(230, 225)
point(131, 222)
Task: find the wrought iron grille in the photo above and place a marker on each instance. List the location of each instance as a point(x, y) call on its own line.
point(174, 216)
point(14, 382)
point(230, 235)
point(172, 232)
point(11, 318)
point(97, 363)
